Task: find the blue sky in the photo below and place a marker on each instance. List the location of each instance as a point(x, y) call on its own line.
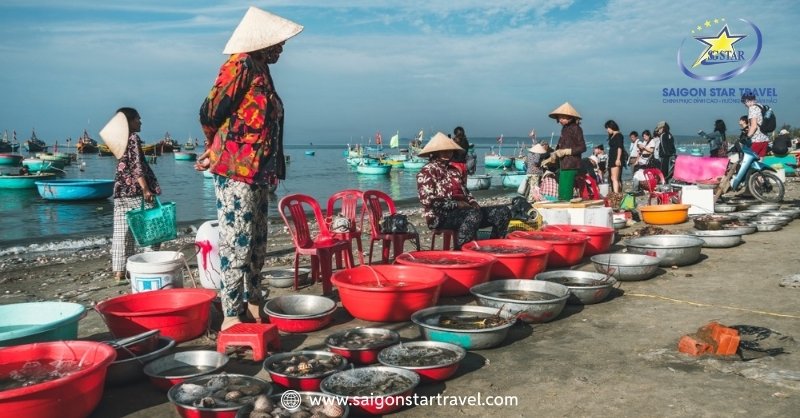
point(366, 65)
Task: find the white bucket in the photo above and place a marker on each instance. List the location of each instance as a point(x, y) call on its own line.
point(155, 270)
point(208, 263)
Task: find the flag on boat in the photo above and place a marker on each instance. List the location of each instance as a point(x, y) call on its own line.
point(500, 139)
point(378, 138)
point(395, 141)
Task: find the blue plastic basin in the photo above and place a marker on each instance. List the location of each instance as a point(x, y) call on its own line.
point(23, 323)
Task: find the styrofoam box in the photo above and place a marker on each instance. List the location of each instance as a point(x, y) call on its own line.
point(701, 201)
point(601, 216)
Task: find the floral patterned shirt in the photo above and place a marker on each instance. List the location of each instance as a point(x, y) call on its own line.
point(440, 189)
point(130, 167)
point(242, 117)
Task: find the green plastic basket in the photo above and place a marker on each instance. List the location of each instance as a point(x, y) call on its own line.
point(154, 225)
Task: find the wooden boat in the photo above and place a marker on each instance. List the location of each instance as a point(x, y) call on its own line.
point(512, 180)
point(75, 189)
point(8, 159)
point(46, 156)
point(34, 144)
point(103, 150)
point(151, 149)
point(37, 164)
point(167, 144)
point(7, 146)
point(190, 144)
point(374, 169)
point(479, 182)
point(24, 181)
point(86, 145)
point(185, 156)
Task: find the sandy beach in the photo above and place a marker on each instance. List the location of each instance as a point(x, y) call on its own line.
point(616, 358)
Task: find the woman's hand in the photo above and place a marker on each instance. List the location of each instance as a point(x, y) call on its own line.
point(203, 162)
point(148, 195)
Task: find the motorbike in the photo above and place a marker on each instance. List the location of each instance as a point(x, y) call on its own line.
point(746, 173)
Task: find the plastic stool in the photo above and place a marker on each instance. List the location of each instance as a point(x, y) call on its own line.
point(256, 336)
point(448, 235)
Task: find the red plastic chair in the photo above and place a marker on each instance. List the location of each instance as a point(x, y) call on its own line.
point(350, 200)
point(653, 177)
point(321, 248)
point(374, 203)
point(448, 237)
point(587, 187)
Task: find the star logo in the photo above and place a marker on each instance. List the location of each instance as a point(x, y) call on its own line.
point(719, 45)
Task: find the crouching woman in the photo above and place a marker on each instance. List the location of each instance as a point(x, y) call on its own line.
point(447, 203)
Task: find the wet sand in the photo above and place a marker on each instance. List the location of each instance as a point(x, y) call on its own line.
point(616, 358)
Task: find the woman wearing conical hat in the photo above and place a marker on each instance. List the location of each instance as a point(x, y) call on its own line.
point(446, 201)
point(242, 119)
point(569, 149)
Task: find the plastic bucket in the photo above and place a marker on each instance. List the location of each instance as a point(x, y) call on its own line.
point(566, 183)
point(22, 323)
point(72, 396)
point(207, 243)
point(155, 270)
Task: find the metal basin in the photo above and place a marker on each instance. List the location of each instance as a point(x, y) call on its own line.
point(724, 208)
point(285, 277)
point(131, 369)
point(711, 222)
point(743, 229)
point(773, 217)
point(724, 238)
point(768, 226)
point(470, 339)
point(673, 250)
point(175, 368)
point(793, 212)
point(743, 215)
point(765, 206)
point(626, 267)
point(586, 287)
point(530, 311)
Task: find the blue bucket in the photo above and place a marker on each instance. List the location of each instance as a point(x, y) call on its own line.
point(23, 323)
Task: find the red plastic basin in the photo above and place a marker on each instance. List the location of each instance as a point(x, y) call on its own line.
point(75, 395)
point(600, 237)
point(463, 269)
point(514, 265)
point(180, 314)
point(388, 293)
point(568, 247)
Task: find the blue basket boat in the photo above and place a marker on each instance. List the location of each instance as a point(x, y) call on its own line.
point(184, 156)
point(27, 181)
point(76, 189)
point(512, 180)
point(377, 169)
point(11, 159)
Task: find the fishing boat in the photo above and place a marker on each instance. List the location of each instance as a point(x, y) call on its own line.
point(75, 189)
point(39, 165)
point(374, 169)
point(34, 144)
point(7, 146)
point(61, 157)
point(414, 164)
point(378, 147)
point(86, 145)
point(190, 144)
point(103, 150)
point(151, 149)
point(185, 156)
point(23, 181)
point(167, 144)
point(9, 159)
point(479, 182)
point(512, 180)
point(310, 153)
point(356, 161)
point(520, 164)
point(496, 161)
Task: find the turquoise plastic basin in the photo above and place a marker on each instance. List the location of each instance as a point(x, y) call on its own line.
point(23, 323)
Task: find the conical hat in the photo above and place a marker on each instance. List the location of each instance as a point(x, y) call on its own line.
point(565, 109)
point(440, 142)
point(115, 134)
point(537, 149)
point(259, 29)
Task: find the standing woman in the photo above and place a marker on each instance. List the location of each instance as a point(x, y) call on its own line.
point(569, 149)
point(242, 119)
point(616, 156)
point(133, 182)
point(717, 144)
point(460, 158)
point(666, 149)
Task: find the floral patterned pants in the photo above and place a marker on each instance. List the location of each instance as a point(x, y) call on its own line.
point(242, 213)
point(467, 221)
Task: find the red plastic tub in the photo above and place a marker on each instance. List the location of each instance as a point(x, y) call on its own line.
point(463, 269)
point(72, 396)
point(519, 258)
point(388, 293)
point(568, 247)
point(600, 237)
point(180, 314)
